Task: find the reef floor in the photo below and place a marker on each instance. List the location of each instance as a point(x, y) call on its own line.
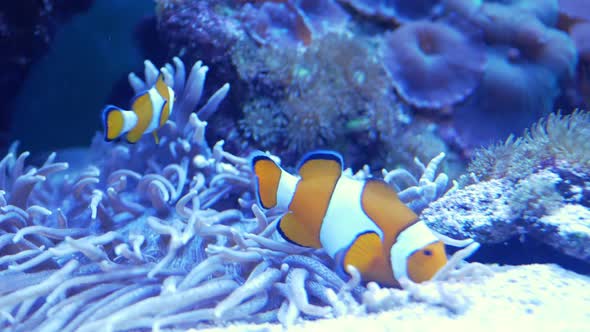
point(538, 297)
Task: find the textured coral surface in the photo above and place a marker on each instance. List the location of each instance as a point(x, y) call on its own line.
point(537, 185)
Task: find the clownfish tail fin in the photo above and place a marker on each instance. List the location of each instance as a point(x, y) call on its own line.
point(113, 122)
point(268, 176)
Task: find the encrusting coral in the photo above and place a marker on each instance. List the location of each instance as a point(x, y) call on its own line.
point(168, 236)
point(535, 186)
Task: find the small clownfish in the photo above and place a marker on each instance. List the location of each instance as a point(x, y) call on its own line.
point(361, 223)
point(150, 110)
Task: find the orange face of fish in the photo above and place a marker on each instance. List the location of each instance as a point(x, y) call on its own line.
point(424, 263)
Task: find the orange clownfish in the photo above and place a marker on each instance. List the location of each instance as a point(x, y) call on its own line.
point(150, 110)
point(361, 223)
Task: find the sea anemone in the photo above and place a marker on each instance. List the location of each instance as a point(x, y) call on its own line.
point(168, 236)
point(433, 64)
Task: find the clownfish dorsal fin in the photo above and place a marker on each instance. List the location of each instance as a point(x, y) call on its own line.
point(362, 251)
point(295, 232)
point(320, 163)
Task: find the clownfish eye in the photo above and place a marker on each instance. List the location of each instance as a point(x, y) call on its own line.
point(427, 252)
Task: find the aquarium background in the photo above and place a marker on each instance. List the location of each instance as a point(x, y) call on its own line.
point(475, 112)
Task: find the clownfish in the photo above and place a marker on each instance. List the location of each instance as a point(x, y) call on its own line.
point(150, 110)
point(361, 223)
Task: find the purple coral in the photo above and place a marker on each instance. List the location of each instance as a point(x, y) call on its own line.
point(574, 10)
point(399, 11)
point(580, 33)
point(528, 61)
point(322, 16)
point(275, 22)
point(432, 64)
point(198, 26)
point(292, 22)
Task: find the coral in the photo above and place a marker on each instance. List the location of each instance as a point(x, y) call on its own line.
point(399, 11)
point(574, 10)
point(537, 195)
point(275, 22)
point(198, 27)
point(292, 22)
point(575, 20)
point(536, 207)
point(580, 34)
point(559, 140)
point(480, 211)
point(263, 122)
point(432, 64)
point(332, 93)
point(570, 229)
point(524, 188)
point(323, 16)
point(528, 61)
point(168, 236)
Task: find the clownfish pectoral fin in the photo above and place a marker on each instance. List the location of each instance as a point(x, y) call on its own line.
point(296, 233)
point(156, 138)
point(362, 252)
point(268, 176)
point(113, 122)
point(320, 163)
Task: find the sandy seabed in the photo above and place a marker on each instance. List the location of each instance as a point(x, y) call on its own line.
point(515, 298)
